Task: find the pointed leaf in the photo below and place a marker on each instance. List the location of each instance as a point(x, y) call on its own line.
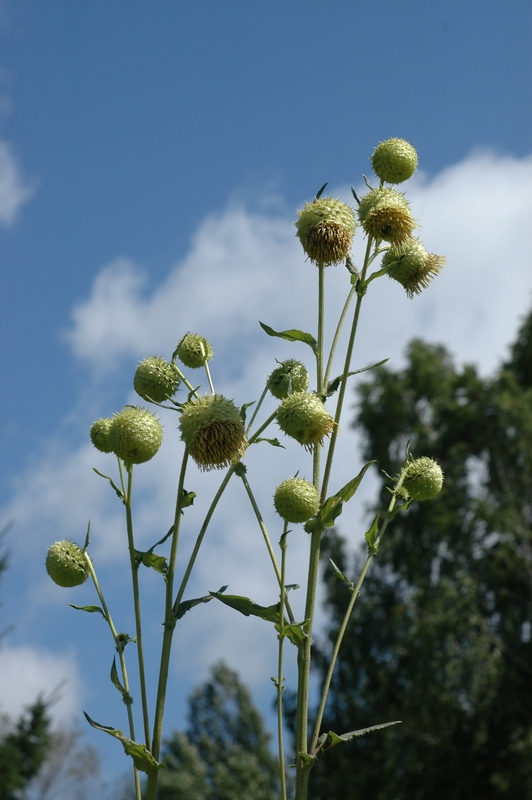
point(111, 481)
point(372, 535)
point(90, 609)
point(320, 191)
point(88, 536)
point(186, 605)
point(243, 410)
point(149, 559)
point(115, 680)
point(330, 739)
point(341, 575)
point(332, 507)
point(274, 442)
point(292, 335)
point(248, 607)
point(333, 385)
point(294, 632)
point(142, 758)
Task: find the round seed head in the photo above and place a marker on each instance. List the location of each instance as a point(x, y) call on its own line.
point(135, 435)
point(290, 376)
point(423, 478)
point(194, 351)
point(410, 265)
point(213, 432)
point(325, 229)
point(100, 435)
point(384, 214)
point(303, 416)
point(66, 564)
point(296, 500)
point(394, 160)
point(156, 379)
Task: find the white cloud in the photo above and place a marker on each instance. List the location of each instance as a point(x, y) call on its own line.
point(243, 267)
point(29, 673)
point(14, 190)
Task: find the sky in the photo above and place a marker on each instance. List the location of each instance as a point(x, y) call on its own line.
point(153, 156)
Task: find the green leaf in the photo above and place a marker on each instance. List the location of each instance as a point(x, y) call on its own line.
point(149, 559)
point(372, 536)
point(248, 607)
point(115, 680)
point(274, 442)
point(187, 499)
point(90, 609)
point(88, 536)
point(333, 385)
point(330, 739)
point(243, 410)
point(142, 758)
point(294, 631)
point(333, 506)
point(320, 191)
point(113, 484)
point(341, 575)
point(292, 335)
point(186, 605)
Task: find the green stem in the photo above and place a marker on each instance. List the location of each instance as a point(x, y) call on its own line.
point(267, 540)
point(280, 679)
point(208, 372)
point(343, 383)
point(355, 592)
point(341, 321)
point(256, 410)
point(136, 603)
point(120, 650)
point(169, 622)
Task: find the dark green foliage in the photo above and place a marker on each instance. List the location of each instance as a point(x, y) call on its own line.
point(225, 753)
point(23, 750)
point(440, 636)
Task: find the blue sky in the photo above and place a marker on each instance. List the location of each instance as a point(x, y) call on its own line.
point(152, 158)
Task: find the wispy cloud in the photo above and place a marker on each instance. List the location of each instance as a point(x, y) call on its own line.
point(14, 188)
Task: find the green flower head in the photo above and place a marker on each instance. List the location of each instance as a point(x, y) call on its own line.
point(156, 379)
point(213, 431)
point(410, 265)
point(325, 229)
point(423, 479)
point(394, 160)
point(296, 500)
point(384, 214)
point(194, 351)
point(66, 564)
point(303, 416)
point(135, 435)
point(99, 433)
point(290, 376)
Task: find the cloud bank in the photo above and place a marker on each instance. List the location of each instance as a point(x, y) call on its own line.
point(14, 189)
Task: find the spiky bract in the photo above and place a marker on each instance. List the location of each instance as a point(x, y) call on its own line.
point(135, 435)
point(325, 229)
point(213, 431)
point(99, 433)
point(410, 265)
point(303, 416)
point(194, 351)
point(296, 500)
point(394, 160)
point(66, 564)
point(156, 379)
point(423, 478)
point(290, 376)
point(384, 214)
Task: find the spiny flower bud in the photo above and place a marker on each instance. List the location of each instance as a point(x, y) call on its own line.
point(290, 376)
point(135, 435)
point(66, 564)
point(303, 416)
point(423, 478)
point(325, 229)
point(100, 431)
point(384, 214)
point(296, 500)
point(194, 351)
point(411, 265)
point(156, 379)
point(213, 431)
point(394, 160)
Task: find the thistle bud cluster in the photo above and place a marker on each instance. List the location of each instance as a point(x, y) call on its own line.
point(420, 479)
point(66, 564)
point(290, 376)
point(303, 416)
point(134, 435)
point(325, 229)
point(296, 500)
point(194, 351)
point(213, 431)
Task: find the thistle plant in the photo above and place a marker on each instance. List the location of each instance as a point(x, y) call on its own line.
point(216, 434)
